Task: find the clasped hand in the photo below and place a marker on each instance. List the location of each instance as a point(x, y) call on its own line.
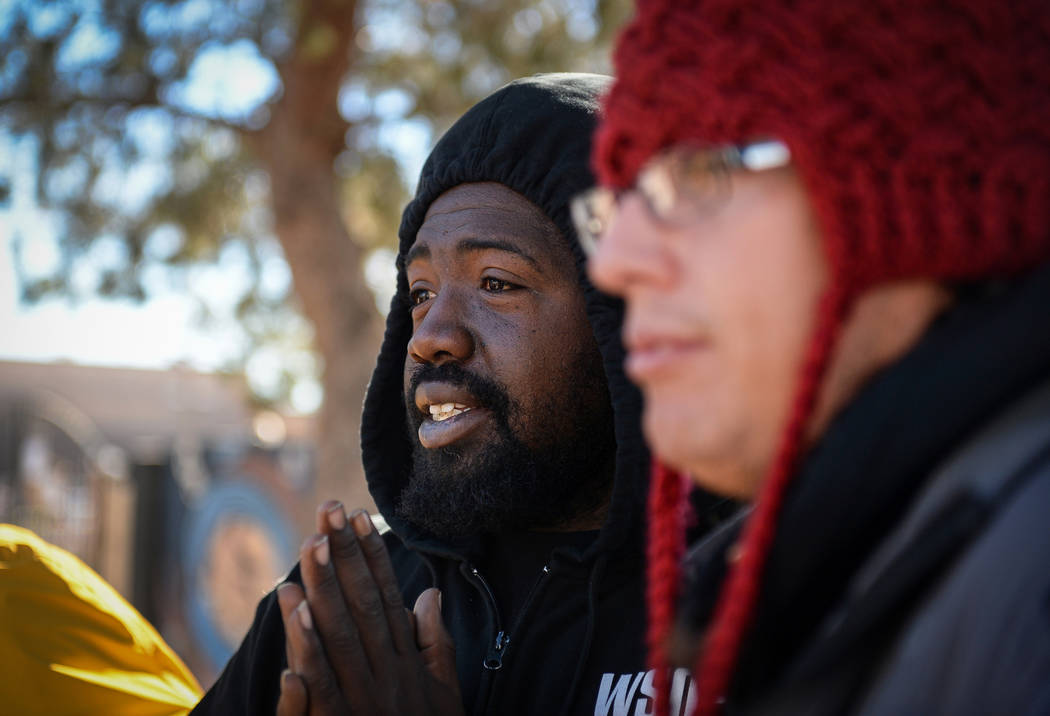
point(352, 645)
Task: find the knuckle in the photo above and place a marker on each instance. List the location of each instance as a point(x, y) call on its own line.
point(373, 545)
point(328, 691)
point(345, 546)
point(318, 676)
point(342, 641)
point(392, 597)
point(370, 607)
point(324, 582)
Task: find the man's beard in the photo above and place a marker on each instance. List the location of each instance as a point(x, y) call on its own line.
point(505, 484)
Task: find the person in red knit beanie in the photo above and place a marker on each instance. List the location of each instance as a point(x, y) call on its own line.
point(830, 222)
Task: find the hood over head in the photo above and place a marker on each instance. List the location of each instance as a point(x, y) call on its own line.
point(533, 136)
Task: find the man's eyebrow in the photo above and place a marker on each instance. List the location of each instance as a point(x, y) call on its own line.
point(418, 251)
point(472, 245)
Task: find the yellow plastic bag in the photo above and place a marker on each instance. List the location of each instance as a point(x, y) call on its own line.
point(70, 644)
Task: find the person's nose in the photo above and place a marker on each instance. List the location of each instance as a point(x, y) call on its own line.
point(442, 335)
point(631, 252)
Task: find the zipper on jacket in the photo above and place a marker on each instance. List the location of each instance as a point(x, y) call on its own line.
point(498, 648)
point(494, 659)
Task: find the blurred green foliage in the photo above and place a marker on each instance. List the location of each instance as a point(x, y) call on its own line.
point(139, 119)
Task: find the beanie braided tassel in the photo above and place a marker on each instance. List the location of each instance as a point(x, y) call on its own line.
point(665, 548)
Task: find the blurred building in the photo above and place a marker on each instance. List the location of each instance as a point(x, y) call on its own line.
point(168, 483)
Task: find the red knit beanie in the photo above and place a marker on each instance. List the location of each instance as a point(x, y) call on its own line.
point(921, 131)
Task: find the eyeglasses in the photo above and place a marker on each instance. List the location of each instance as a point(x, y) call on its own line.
point(678, 187)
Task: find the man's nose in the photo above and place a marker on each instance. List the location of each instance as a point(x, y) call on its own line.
point(442, 335)
point(631, 253)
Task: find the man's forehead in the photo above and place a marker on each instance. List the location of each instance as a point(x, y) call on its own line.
point(490, 202)
point(489, 215)
point(480, 194)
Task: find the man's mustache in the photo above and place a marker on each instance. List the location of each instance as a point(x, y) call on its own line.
point(486, 392)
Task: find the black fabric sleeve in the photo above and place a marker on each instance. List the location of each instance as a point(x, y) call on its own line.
point(251, 681)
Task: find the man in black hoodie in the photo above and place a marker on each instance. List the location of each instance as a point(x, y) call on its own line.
point(500, 436)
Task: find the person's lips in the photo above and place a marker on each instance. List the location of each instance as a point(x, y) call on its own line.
point(450, 413)
point(649, 355)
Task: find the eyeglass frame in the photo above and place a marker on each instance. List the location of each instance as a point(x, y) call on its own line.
point(593, 210)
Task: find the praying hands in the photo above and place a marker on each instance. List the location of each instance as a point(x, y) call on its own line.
point(352, 645)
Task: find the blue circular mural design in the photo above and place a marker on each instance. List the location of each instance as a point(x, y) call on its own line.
point(233, 502)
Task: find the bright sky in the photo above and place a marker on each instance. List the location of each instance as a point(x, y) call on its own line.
point(155, 334)
point(164, 330)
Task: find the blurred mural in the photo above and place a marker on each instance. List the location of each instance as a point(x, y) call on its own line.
point(166, 483)
point(240, 166)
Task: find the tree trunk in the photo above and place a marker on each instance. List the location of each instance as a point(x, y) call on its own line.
point(298, 147)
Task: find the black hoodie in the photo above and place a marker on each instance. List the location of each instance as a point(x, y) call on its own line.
point(574, 643)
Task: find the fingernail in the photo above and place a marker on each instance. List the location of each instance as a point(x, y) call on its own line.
point(286, 677)
point(439, 601)
point(281, 589)
point(321, 550)
point(337, 517)
point(362, 525)
point(304, 615)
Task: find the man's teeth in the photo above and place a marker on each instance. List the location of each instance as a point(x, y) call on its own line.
point(445, 411)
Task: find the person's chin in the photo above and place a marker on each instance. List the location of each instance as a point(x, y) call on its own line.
point(678, 443)
point(660, 430)
point(671, 430)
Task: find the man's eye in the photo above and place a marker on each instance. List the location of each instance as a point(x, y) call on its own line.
point(419, 296)
point(496, 285)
